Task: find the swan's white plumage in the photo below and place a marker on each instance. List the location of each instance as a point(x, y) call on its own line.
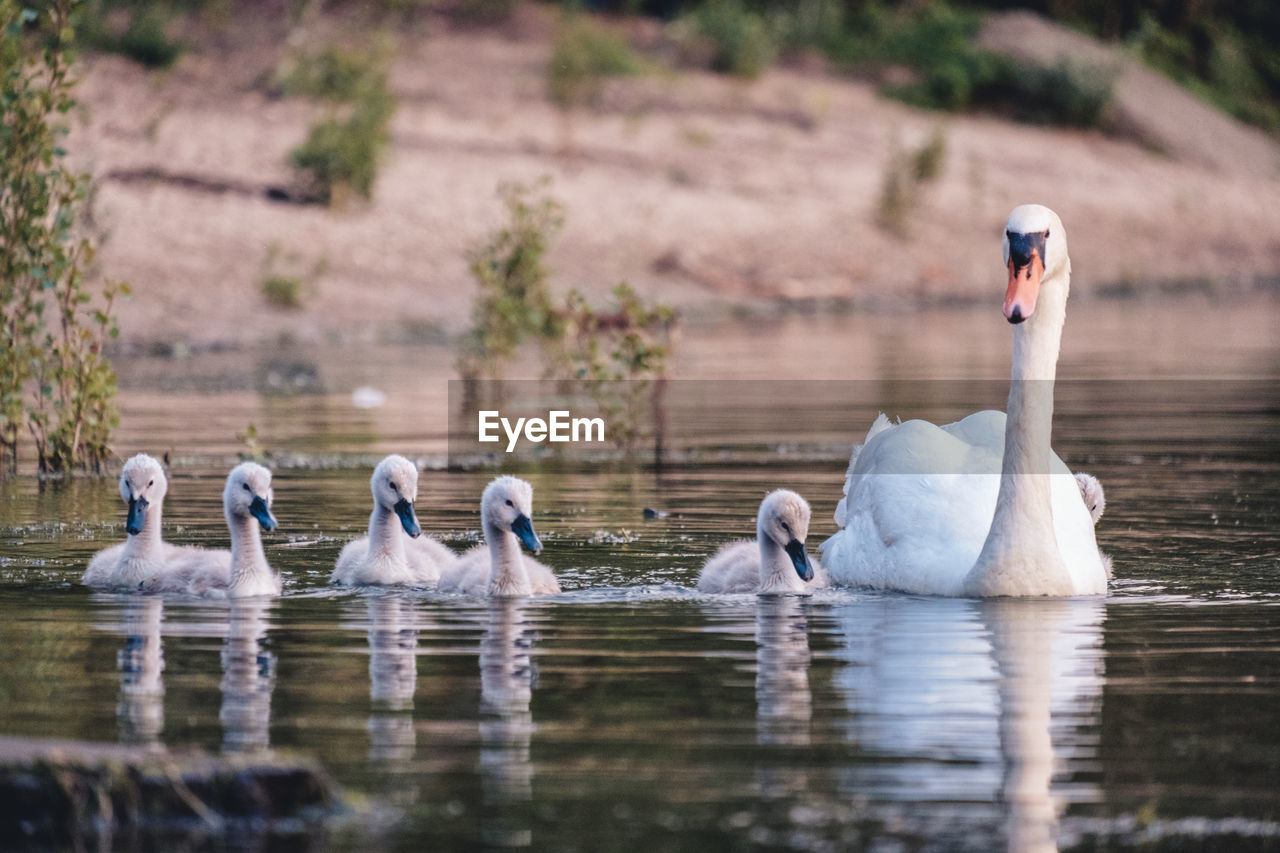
point(919, 513)
point(919, 501)
point(498, 568)
point(143, 554)
point(396, 557)
point(761, 565)
point(243, 571)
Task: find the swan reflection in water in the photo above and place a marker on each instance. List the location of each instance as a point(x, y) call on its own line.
point(784, 705)
point(958, 700)
point(248, 677)
point(140, 709)
point(393, 676)
point(507, 677)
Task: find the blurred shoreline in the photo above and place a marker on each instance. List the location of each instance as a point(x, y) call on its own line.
point(729, 200)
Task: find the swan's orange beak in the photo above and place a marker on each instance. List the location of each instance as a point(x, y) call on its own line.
point(1024, 287)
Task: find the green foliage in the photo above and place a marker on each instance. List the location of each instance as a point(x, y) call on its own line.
point(741, 42)
point(905, 176)
point(332, 73)
point(284, 281)
point(1218, 65)
point(514, 303)
point(145, 40)
point(483, 11)
point(936, 41)
point(584, 56)
point(54, 380)
point(341, 155)
point(620, 355)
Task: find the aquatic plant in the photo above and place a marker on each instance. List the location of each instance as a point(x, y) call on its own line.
point(55, 316)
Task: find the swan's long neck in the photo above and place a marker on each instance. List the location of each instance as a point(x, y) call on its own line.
point(507, 572)
point(777, 572)
point(248, 562)
point(143, 553)
point(386, 541)
point(146, 545)
point(1020, 555)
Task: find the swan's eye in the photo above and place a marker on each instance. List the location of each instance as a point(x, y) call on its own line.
point(151, 483)
point(785, 527)
point(394, 487)
point(509, 503)
point(246, 488)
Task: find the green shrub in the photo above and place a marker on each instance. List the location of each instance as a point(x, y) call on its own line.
point(937, 43)
point(55, 383)
point(620, 356)
point(905, 176)
point(514, 303)
point(742, 43)
point(284, 281)
point(584, 56)
point(342, 152)
point(1216, 64)
point(145, 39)
point(332, 73)
point(1063, 94)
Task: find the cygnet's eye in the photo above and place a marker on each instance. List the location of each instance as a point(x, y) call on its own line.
point(394, 487)
point(246, 488)
point(151, 483)
point(785, 527)
point(509, 503)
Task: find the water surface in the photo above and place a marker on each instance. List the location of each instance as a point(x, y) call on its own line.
point(633, 713)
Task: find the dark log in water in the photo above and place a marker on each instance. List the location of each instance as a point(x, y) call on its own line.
point(56, 792)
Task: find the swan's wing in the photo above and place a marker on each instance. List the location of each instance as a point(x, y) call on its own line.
point(734, 568)
point(919, 505)
point(880, 424)
point(542, 580)
point(427, 559)
point(100, 566)
point(468, 573)
point(349, 561)
point(193, 571)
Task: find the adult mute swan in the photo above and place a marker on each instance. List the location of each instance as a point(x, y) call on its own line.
point(387, 555)
point(983, 506)
point(143, 554)
point(776, 562)
point(243, 571)
point(497, 568)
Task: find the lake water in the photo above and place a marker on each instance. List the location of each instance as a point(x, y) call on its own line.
point(631, 712)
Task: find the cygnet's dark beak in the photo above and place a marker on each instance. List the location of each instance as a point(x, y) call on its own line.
point(800, 559)
point(258, 509)
point(137, 516)
point(408, 520)
point(523, 527)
